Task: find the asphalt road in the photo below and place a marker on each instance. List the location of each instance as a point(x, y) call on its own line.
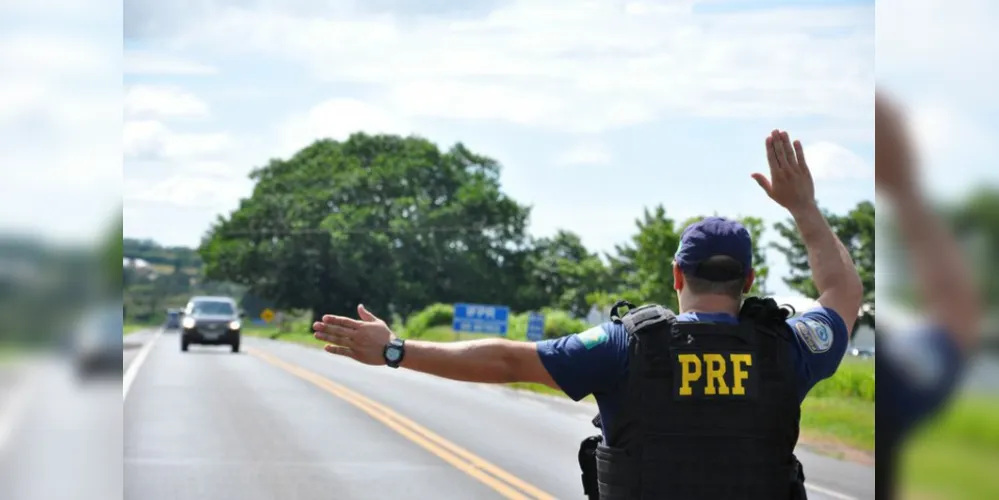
point(281, 421)
point(60, 437)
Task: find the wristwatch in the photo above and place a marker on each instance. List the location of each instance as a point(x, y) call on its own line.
point(393, 353)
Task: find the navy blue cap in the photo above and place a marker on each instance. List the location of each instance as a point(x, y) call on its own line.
point(712, 237)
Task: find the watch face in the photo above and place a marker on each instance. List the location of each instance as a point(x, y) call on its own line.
point(392, 353)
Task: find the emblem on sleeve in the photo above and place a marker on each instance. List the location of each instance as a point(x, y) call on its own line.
point(817, 336)
point(592, 337)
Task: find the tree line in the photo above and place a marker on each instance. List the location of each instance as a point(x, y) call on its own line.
point(399, 223)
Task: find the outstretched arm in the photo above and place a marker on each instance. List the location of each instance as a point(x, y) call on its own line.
point(486, 360)
point(579, 365)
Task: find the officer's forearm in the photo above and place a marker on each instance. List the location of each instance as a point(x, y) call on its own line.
point(484, 360)
point(944, 282)
point(833, 271)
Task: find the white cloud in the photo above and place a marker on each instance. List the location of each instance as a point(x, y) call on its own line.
point(46, 54)
point(55, 8)
point(163, 101)
point(153, 139)
point(60, 123)
point(945, 43)
point(589, 68)
point(139, 62)
point(201, 191)
point(939, 129)
point(941, 62)
point(830, 161)
point(337, 119)
point(591, 152)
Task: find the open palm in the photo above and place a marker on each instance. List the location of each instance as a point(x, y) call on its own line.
point(790, 183)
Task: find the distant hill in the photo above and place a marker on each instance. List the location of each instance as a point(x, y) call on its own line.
point(164, 259)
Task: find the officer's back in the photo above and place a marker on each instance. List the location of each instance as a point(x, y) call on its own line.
point(706, 403)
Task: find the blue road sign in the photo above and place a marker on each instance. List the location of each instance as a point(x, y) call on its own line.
point(535, 326)
point(480, 318)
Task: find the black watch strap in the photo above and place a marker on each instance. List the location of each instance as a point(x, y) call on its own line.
point(394, 352)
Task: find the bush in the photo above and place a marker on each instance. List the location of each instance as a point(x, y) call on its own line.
point(433, 315)
point(560, 323)
point(853, 379)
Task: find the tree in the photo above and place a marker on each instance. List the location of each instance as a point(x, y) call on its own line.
point(383, 220)
point(976, 223)
point(644, 267)
point(111, 255)
point(855, 229)
point(561, 273)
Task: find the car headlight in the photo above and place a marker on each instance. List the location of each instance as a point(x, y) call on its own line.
point(189, 323)
point(234, 325)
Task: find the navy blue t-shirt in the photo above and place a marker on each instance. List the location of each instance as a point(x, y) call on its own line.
point(596, 361)
point(917, 372)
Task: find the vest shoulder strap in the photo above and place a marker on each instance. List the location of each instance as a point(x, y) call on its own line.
point(767, 316)
point(639, 319)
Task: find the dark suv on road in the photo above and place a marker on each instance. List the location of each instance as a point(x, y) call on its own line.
point(211, 321)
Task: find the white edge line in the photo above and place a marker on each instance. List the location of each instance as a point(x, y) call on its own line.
point(133, 369)
point(827, 491)
point(14, 406)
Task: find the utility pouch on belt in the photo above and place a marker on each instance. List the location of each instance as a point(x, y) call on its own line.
point(798, 482)
point(588, 461)
point(588, 465)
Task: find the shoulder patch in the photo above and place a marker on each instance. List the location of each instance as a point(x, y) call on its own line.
point(916, 357)
point(593, 337)
point(817, 336)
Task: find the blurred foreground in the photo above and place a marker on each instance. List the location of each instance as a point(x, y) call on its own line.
point(60, 371)
point(938, 403)
point(60, 435)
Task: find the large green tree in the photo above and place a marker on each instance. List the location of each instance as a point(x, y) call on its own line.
point(644, 266)
point(561, 272)
point(389, 221)
point(855, 229)
point(976, 223)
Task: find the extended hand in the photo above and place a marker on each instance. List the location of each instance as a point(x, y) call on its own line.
point(362, 340)
point(790, 183)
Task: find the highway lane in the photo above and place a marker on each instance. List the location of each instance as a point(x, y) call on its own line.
point(62, 435)
point(287, 421)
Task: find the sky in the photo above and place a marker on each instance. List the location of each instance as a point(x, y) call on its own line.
point(940, 60)
point(577, 100)
point(60, 118)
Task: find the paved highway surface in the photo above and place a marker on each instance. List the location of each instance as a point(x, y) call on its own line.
point(60, 437)
point(281, 421)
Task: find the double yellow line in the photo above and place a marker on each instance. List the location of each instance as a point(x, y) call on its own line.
point(506, 484)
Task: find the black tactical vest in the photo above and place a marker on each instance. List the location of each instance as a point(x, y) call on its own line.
point(711, 410)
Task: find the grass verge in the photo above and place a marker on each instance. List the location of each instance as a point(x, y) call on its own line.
point(128, 328)
point(956, 455)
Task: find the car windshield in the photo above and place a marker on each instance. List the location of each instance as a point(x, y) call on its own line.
point(105, 321)
point(213, 308)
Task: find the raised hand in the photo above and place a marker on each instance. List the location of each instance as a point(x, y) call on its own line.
point(363, 340)
point(894, 172)
point(790, 183)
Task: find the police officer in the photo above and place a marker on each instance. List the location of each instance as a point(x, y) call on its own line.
point(698, 405)
point(918, 370)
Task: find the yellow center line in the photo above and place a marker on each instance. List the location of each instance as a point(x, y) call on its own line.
point(462, 459)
